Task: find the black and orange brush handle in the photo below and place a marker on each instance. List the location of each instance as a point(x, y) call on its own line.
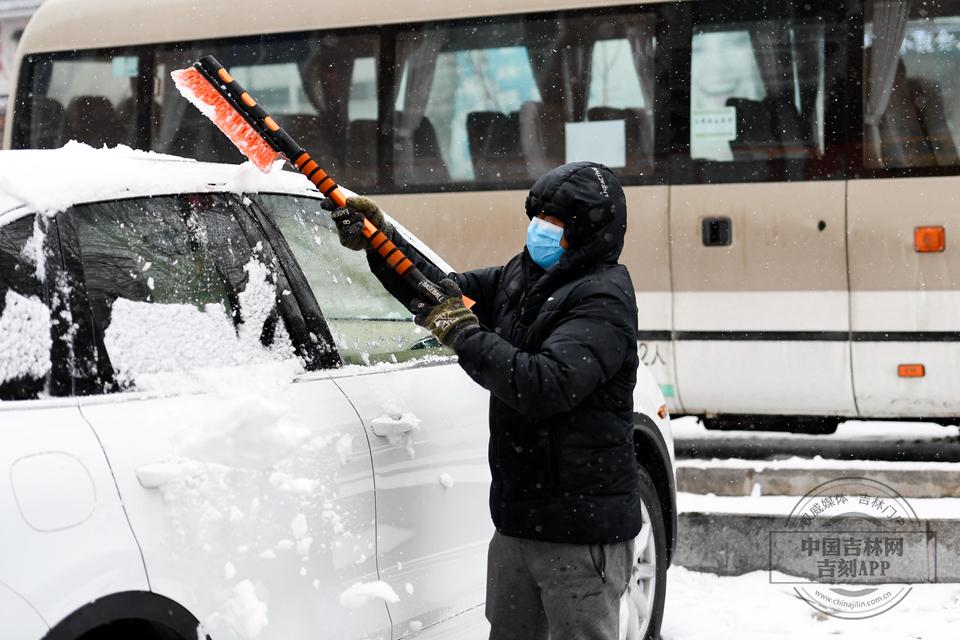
point(257, 117)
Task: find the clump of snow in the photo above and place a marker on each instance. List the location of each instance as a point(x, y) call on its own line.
point(344, 447)
point(32, 251)
point(244, 612)
point(248, 178)
point(446, 480)
point(24, 338)
point(146, 338)
point(361, 593)
point(254, 431)
point(408, 588)
point(299, 526)
point(229, 571)
point(415, 626)
point(286, 482)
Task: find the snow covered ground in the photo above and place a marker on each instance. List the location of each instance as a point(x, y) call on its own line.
point(702, 606)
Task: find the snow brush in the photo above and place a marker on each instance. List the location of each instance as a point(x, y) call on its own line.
point(209, 86)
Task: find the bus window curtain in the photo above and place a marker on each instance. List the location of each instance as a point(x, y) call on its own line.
point(416, 55)
point(771, 46)
point(889, 29)
point(325, 76)
point(640, 34)
point(560, 60)
point(808, 51)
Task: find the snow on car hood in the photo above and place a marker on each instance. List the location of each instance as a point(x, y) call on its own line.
point(50, 181)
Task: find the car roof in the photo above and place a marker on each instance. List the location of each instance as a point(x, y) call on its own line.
point(51, 181)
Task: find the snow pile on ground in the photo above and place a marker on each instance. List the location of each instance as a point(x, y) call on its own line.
point(361, 593)
point(24, 338)
point(702, 606)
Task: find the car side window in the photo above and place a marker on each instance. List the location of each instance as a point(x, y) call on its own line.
point(25, 322)
point(368, 325)
point(174, 285)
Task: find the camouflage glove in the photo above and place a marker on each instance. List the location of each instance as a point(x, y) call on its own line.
point(450, 320)
point(349, 220)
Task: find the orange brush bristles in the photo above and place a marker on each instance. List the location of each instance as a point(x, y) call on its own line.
point(197, 89)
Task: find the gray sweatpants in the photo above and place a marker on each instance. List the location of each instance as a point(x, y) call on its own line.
point(538, 590)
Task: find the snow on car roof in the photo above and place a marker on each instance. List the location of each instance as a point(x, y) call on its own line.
point(50, 181)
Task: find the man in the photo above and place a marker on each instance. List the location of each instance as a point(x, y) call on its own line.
point(553, 338)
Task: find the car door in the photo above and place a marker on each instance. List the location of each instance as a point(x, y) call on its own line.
point(64, 540)
point(758, 210)
point(427, 426)
point(251, 496)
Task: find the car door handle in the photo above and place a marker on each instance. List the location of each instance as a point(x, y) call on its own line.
point(388, 425)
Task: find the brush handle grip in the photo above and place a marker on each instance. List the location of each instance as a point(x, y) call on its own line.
point(280, 140)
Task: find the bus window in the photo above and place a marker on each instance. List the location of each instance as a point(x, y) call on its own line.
point(911, 84)
point(89, 97)
point(320, 86)
point(757, 91)
point(502, 102)
point(622, 88)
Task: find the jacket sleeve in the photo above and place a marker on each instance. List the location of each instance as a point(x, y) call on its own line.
point(480, 284)
point(584, 351)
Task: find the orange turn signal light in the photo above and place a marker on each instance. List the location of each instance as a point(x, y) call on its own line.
point(911, 371)
point(662, 412)
point(929, 239)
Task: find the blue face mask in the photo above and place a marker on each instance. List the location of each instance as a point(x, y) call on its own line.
point(543, 242)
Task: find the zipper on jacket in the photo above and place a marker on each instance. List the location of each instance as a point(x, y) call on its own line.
point(601, 566)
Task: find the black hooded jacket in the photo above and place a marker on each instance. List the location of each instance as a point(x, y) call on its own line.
point(558, 353)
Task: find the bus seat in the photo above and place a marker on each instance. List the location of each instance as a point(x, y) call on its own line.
point(127, 117)
point(542, 136)
point(494, 139)
point(360, 162)
point(755, 139)
point(197, 137)
point(46, 123)
point(928, 100)
point(787, 129)
point(311, 132)
point(92, 120)
point(428, 165)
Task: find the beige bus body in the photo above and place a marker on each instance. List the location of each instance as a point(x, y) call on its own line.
point(819, 279)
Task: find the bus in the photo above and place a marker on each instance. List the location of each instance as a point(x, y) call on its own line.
point(790, 166)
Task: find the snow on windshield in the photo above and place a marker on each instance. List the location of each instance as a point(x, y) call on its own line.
point(24, 338)
point(147, 338)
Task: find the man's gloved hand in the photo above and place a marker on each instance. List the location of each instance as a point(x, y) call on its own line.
point(449, 320)
point(349, 220)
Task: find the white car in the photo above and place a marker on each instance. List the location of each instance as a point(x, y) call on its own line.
point(214, 420)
